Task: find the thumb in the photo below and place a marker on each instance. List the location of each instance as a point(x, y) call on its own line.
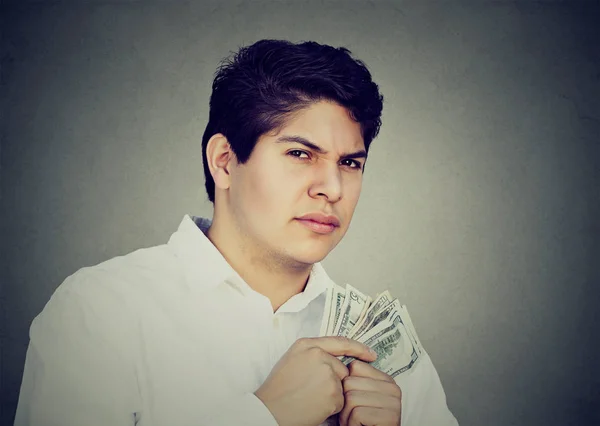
point(342, 346)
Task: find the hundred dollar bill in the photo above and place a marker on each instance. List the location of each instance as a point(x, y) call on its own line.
point(333, 303)
point(379, 321)
point(380, 301)
point(395, 350)
point(378, 316)
point(354, 305)
point(383, 324)
point(366, 306)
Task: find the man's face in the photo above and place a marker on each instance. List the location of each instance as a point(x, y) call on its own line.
point(283, 181)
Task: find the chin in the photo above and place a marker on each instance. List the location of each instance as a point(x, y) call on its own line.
point(311, 254)
point(308, 259)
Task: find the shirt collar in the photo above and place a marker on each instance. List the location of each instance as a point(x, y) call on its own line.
point(205, 267)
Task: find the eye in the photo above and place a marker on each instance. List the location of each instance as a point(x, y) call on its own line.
point(297, 153)
point(353, 163)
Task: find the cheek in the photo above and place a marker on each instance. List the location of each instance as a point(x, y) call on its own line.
point(353, 189)
point(270, 190)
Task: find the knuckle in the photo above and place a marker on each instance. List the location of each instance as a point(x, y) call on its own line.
point(315, 352)
point(350, 396)
point(397, 391)
point(354, 367)
point(398, 403)
point(344, 342)
point(345, 371)
point(334, 385)
point(347, 381)
point(391, 379)
point(332, 376)
point(356, 415)
point(302, 342)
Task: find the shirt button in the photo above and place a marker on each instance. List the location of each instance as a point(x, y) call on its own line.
point(276, 322)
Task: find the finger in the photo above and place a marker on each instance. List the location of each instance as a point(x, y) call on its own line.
point(360, 398)
point(338, 367)
point(355, 383)
point(340, 346)
point(372, 416)
point(362, 369)
point(339, 400)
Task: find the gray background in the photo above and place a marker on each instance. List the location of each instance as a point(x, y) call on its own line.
point(480, 203)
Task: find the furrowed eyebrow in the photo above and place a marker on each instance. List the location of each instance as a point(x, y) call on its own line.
point(303, 141)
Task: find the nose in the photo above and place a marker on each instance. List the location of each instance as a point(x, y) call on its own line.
point(327, 182)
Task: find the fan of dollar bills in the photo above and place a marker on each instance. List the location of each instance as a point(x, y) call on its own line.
point(382, 324)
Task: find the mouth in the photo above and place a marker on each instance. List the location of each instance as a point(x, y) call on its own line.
point(318, 227)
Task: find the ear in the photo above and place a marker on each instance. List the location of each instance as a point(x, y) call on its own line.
point(220, 158)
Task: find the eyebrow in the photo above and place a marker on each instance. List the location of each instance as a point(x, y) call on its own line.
point(303, 141)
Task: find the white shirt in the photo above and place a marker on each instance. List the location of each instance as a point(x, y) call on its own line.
point(172, 336)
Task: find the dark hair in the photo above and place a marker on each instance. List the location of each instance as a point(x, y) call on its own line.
point(262, 85)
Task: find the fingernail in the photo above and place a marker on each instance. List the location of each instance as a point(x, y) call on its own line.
point(372, 352)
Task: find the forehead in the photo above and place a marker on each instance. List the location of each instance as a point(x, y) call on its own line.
point(327, 124)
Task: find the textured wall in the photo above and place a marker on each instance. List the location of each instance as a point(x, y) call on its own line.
point(480, 204)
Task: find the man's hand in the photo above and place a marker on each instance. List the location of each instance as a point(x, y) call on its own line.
point(372, 398)
point(305, 386)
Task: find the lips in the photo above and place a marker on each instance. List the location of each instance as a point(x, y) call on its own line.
point(321, 218)
point(319, 228)
point(319, 222)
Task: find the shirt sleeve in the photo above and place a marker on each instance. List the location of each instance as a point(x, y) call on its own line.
point(423, 397)
point(246, 410)
point(78, 370)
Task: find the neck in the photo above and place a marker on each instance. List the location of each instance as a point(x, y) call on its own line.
point(275, 278)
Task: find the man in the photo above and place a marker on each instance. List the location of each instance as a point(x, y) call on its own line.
point(219, 325)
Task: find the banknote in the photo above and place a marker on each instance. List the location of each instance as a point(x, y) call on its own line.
point(333, 302)
point(380, 301)
point(355, 305)
point(383, 324)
